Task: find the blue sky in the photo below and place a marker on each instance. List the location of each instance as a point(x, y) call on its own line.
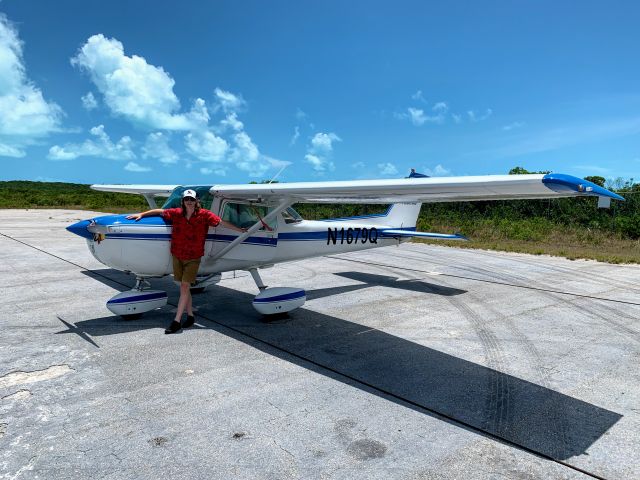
point(233, 91)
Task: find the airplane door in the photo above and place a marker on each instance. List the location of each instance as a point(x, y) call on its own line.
point(259, 247)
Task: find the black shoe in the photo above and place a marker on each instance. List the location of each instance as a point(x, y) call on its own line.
point(173, 328)
point(188, 322)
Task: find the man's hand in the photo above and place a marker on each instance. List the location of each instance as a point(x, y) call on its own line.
point(135, 216)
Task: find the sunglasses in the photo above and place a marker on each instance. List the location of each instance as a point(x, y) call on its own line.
point(189, 199)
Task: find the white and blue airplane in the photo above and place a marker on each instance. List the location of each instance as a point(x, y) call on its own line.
point(276, 233)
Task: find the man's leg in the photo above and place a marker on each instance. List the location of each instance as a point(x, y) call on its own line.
point(185, 300)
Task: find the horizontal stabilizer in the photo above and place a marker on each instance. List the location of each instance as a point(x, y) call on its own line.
point(411, 233)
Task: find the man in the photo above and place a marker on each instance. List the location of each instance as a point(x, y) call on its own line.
point(190, 225)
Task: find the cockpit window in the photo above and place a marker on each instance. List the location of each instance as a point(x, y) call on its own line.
point(291, 216)
point(174, 201)
point(245, 215)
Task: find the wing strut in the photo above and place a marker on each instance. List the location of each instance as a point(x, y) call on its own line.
point(284, 203)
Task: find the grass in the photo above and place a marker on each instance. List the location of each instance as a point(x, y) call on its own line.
point(559, 241)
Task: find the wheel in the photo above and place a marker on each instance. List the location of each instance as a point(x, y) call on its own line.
point(131, 316)
point(197, 290)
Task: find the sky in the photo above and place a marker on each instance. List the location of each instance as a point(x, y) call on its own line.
point(207, 92)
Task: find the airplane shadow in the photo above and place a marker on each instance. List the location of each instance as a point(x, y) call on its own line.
point(416, 376)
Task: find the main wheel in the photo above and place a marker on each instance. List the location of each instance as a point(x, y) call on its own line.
point(131, 316)
point(197, 290)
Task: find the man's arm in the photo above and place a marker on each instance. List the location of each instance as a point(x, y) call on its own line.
point(148, 213)
point(231, 226)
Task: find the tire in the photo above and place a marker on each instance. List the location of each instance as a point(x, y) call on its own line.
point(197, 290)
point(131, 316)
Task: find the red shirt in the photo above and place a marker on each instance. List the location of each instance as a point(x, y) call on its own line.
point(188, 236)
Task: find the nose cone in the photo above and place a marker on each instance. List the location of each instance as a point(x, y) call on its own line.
point(80, 228)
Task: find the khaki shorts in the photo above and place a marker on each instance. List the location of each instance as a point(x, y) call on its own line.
point(185, 270)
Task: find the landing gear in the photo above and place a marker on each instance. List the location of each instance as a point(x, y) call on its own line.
point(133, 303)
point(278, 300)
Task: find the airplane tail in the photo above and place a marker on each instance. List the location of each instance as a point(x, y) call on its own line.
point(398, 215)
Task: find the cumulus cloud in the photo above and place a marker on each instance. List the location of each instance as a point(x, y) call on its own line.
point(513, 126)
point(132, 88)
point(231, 121)
point(418, 96)
point(221, 172)
point(246, 156)
point(134, 167)
point(387, 169)
point(101, 146)
point(323, 142)
point(418, 117)
point(437, 171)
point(320, 151)
point(228, 101)
point(206, 146)
point(9, 151)
point(89, 102)
point(475, 117)
point(24, 113)
point(296, 135)
point(157, 146)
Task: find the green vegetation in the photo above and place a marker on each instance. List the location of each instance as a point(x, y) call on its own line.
point(570, 227)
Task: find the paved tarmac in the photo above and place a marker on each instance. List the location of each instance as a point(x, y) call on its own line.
point(410, 362)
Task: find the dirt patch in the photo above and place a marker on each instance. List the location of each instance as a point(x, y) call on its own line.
point(20, 395)
point(24, 378)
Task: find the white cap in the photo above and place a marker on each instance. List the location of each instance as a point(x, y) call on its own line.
point(189, 193)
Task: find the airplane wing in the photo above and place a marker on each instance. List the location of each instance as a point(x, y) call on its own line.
point(158, 190)
point(425, 190)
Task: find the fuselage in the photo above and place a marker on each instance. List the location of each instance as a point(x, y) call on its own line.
point(143, 247)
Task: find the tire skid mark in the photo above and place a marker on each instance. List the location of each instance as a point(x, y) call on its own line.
point(499, 411)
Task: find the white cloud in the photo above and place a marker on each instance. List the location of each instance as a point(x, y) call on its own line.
point(206, 146)
point(358, 165)
point(134, 167)
point(418, 117)
point(323, 142)
point(474, 117)
point(157, 146)
point(320, 151)
point(228, 101)
point(438, 171)
point(513, 126)
point(221, 172)
point(296, 135)
point(440, 107)
point(319, 164)
point(387, 169)
point(418, 96)
point(9, 151)
point(89, 102)
point(199, 114)
point(246, 156)
point(300, 115)
point(24, 113)
point(132, 88)
point(102, 146)
point(231, 121)
point(456, 118)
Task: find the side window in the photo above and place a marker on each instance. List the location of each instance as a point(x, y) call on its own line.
point(244, 215)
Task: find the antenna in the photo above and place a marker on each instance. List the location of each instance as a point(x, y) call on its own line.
point(279, 172)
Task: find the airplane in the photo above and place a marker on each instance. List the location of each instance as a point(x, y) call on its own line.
point(276, 233)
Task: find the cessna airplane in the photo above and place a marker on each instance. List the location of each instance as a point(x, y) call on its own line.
point(276, 232)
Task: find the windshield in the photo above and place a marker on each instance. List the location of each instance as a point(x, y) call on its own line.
point(174, 201)
point(291, 216)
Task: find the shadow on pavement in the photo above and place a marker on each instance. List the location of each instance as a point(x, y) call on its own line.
point(527, 414)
